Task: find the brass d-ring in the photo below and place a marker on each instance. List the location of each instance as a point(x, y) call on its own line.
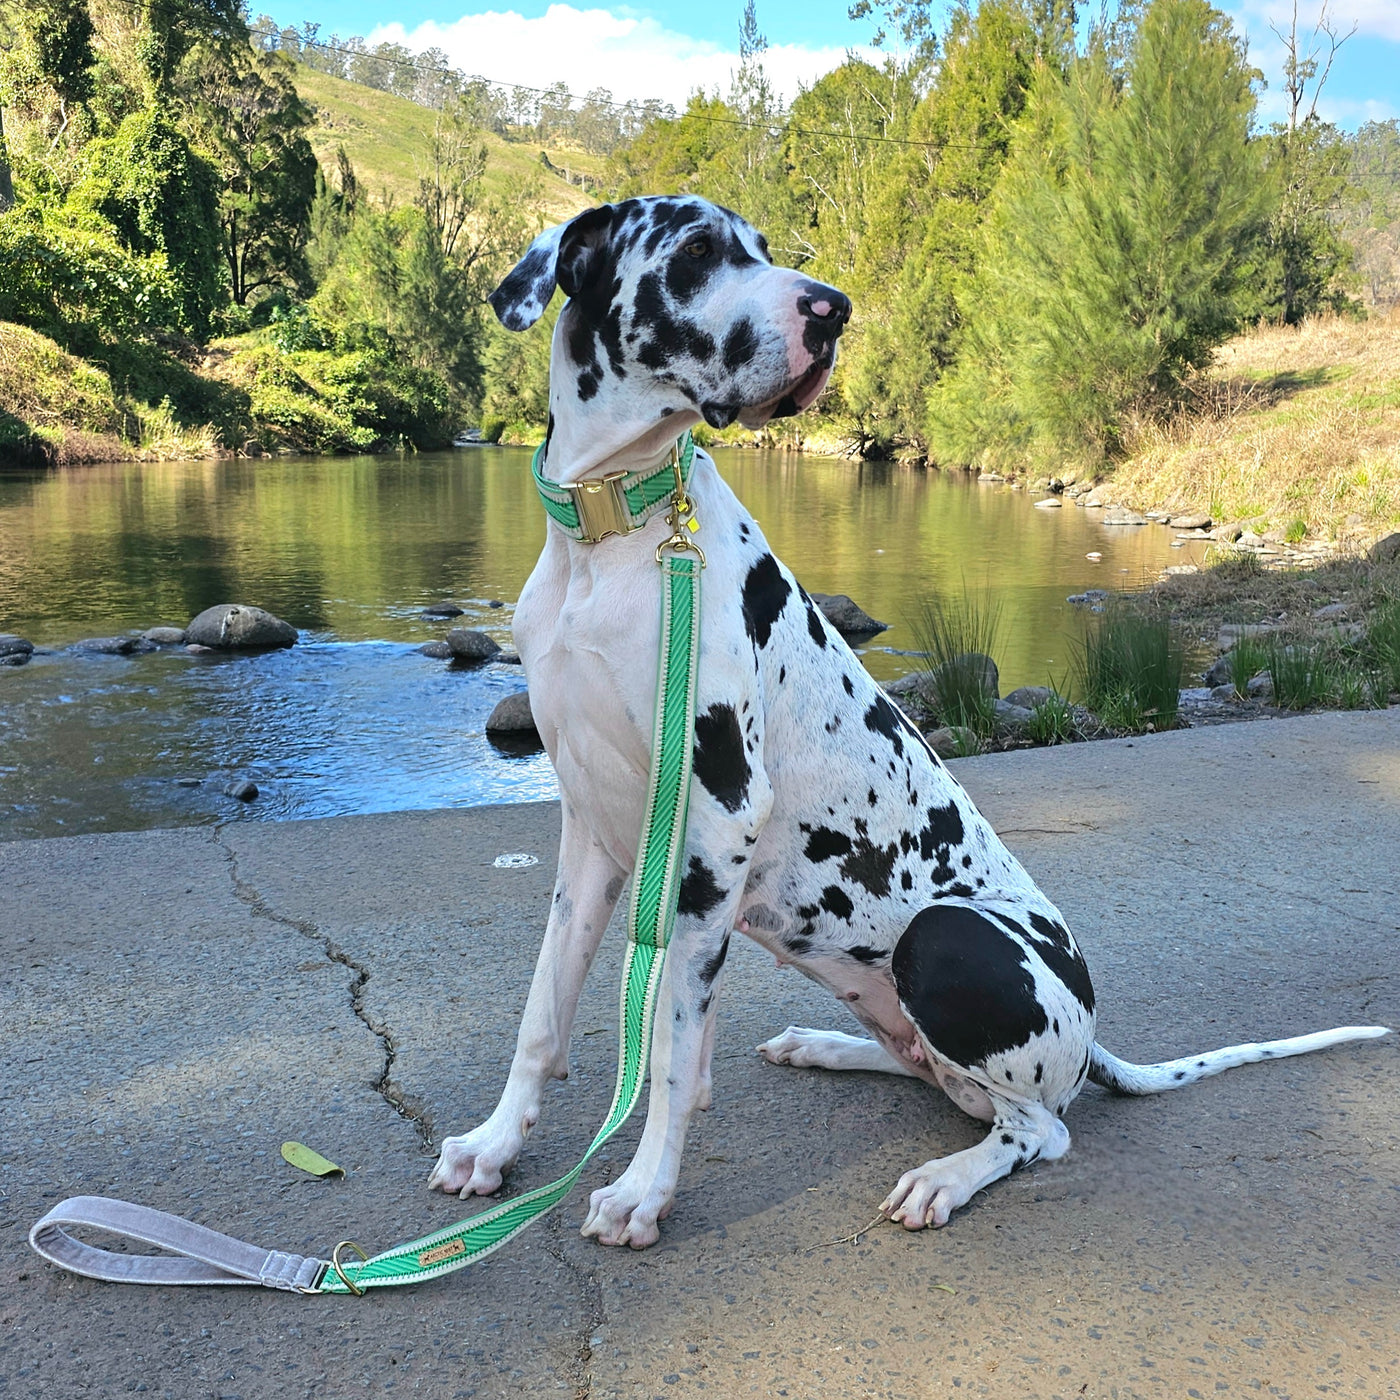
point(336, 1265)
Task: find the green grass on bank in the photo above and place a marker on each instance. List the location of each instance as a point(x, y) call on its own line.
point(388, 140)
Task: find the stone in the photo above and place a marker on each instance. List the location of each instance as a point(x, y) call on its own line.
point(439, 651)
point(1231, 632)
point(1121, 515)
point(1182, 569)
point(187, 782)
point(990, 476)
point(512, 715)
point(164, 636)
point(974, 662)
point(1229, 532)
point(1049, 503)
point(111, 646)
point(1029, 696)
point(1225, 691)
point(495, 603)
point(1249, 540)
point(195, 649)
point(952, 741)
point(243, 789)
point(509, 658)
point(1385, 551)
point(1091, 598)
point(1331, 610)
point(15, 658)
point(467, 645)
point(1190, 522)
point(1098, 497)
point(11, 645)
point(1220, 671)
point(238, 627)
point(1261, 687)
point(1009, 716)
point(441, 610)
point(846, 616)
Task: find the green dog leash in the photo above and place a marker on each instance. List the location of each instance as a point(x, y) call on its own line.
point(203, 1256)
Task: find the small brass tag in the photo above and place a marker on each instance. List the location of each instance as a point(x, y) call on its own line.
point(441, 1252)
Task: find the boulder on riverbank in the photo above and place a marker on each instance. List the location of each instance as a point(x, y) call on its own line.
point(1385, 551)
point(238, 627)
point(847, 616)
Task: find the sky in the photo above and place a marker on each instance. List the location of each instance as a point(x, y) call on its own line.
point(668, 48)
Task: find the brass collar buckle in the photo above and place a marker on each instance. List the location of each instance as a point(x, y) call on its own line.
point(602, 508)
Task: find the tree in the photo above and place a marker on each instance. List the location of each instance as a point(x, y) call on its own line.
point(254, 124)
point(1111, 263)
point(160, 196)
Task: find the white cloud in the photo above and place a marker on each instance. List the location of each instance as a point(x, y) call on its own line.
point(632, 57)
point(1378, 18)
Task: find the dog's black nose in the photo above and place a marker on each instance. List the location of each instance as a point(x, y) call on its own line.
point(826, 306)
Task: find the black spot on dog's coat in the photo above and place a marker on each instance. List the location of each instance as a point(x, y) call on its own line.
point(967, 984)
point(766, 593)
point(720, 764)
point(869, 865)
point(864, 954)
point(824, 843)
point(700, 892)
point(836, 901)
point(709, 969)
point(740, 344)
point(880, 719)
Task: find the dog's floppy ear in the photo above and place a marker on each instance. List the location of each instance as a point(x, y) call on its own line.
point(562, 256)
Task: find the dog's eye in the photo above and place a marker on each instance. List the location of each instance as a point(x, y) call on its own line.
point(699, 248)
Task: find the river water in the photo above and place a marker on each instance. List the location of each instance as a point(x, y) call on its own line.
point(350, 550)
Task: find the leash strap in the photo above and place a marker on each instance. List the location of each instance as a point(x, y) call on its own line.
point(211, 1258)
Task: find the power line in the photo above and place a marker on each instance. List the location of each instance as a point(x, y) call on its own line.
point(633, 106)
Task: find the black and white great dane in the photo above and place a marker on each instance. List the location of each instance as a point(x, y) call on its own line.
point(821, 824)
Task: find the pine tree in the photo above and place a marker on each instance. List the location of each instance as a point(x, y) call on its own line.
point(1112, 263)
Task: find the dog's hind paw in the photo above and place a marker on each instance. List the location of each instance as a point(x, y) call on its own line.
point(795, 1046)
point(474, 1164)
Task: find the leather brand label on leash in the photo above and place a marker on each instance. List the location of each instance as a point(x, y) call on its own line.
point(444, 1251)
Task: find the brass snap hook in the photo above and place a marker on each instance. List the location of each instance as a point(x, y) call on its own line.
point(339, 1268)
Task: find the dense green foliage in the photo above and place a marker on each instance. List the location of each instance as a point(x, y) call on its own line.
point(1046, 229)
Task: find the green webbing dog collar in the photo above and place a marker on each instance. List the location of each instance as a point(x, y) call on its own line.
point(208, 1257)
point(615, 504)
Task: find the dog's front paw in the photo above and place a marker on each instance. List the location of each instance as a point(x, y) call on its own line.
point(795, 1046)
point(473, 1164)
point(928, 1195)
point(626, 1213)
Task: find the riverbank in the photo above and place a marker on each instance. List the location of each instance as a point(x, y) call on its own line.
point(166, 399)
point(354, 984)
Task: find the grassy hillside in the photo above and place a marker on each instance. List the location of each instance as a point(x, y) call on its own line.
point(387, 139)
point(1295, 427)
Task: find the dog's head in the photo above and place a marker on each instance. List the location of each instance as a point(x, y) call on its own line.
point(675, 313)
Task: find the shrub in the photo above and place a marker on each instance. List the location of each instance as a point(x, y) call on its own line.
point(1382, 645)
point(1051, 721)
point(52, 277)
point(954, 637)
point(1130, 671)
point(1302, 672)
point(1246, 659)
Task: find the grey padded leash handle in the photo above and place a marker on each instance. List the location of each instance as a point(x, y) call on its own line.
point(206, 1255)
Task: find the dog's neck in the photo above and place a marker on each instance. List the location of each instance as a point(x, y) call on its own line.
point(629, 424)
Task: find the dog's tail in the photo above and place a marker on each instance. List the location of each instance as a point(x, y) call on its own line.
point(1124, 1078)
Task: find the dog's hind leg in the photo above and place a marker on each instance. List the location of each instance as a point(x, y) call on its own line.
point(585, 892)
point(831, 1050)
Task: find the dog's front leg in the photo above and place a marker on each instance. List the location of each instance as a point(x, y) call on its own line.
point(585, 892)
point(627, 1211)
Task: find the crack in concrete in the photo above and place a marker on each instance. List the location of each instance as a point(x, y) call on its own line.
point(408, 1108)
point(590, 1297)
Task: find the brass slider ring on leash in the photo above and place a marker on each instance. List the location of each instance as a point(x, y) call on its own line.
point(617, 504)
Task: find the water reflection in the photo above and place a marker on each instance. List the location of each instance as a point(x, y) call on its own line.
point(350, 551)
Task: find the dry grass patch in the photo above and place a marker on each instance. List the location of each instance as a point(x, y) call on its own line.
point(1297, 428)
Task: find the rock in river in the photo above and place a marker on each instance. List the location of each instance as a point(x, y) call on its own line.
point(113, 646)
point(14, 651)
point(237, 627)
point(164, 636)
point(439, 651)
point(471, 646)
point(441, 610)
point(847, 617)
point(512, 715)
